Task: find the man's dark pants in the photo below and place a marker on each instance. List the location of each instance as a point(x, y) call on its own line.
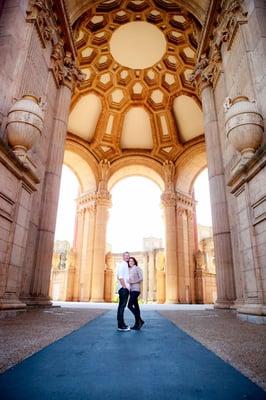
point(123, 297)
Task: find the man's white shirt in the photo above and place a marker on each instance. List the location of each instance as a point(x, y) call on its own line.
point(122, 272)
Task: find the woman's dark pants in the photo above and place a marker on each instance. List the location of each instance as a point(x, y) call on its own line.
point(133, 305)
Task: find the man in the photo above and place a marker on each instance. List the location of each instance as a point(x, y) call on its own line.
point(123, 291)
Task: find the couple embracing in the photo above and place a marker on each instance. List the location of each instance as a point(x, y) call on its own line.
point(129, 277)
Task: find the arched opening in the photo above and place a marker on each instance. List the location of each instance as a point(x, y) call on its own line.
point(63, 260)
point(136, 225)
point(205, 274)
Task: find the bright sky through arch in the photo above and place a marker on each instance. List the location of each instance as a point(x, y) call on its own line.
point(135, 213)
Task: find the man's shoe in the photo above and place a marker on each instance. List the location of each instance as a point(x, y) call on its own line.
point(141, 322)
point(124, 329)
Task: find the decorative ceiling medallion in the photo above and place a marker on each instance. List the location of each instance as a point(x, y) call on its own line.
point(137, 45)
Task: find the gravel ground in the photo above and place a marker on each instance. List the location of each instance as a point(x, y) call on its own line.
point(29, 332)
point(239, 343)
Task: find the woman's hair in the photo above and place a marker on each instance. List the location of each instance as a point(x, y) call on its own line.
point(133, 258)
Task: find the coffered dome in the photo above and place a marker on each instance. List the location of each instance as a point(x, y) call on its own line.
point(136, 57)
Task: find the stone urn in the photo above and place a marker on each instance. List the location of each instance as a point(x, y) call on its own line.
point(24, 123)
point(244, 125)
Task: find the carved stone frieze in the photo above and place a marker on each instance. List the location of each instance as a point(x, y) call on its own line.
point(86, 203)
point(208, 67)
point(234, 14)
point(184, 205)
point(169, 173)
point(41, 13)
point(64, 67)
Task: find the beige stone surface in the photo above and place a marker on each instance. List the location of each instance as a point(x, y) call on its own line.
point(239, 343)
point(30, 331)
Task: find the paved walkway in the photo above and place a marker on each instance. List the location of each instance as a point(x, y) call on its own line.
point(98, 362)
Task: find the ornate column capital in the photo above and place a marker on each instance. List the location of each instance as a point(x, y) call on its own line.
point(205, 73)
point(103, 199)
point(86, 203)
point(168, 199)
point(64, 67)
point(185, 204)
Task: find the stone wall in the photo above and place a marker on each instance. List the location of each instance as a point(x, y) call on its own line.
point(243, 73)
point(36, 59)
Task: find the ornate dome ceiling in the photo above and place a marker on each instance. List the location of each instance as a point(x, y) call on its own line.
point(136, 56)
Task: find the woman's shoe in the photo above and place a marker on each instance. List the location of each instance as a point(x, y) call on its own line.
point(136, 327)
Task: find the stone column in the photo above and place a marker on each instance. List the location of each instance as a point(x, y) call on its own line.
point(171, 280)
point(191, 252)
point(87, 248)
point(169, 204)
point(78, 250)
point(40, 284)
point(160, 277)
point(144, 293)
point(221, 230)
point(151, 276)
point(103, 203)
point(182, 254)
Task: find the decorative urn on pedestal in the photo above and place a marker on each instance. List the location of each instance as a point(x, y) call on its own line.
point(24, 124)
point(244, 125)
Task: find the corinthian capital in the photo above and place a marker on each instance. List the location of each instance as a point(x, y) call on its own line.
point(168, 199)
point(205, 72)
point(64, 67)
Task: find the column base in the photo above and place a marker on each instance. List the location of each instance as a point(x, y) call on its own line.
point(252, 309)
point(12, 304)
point(224, 305)
point(253, 313)
point(97, 300)
point(38, 301)
point(170, 301)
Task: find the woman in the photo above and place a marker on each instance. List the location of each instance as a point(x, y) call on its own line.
point(135, 279)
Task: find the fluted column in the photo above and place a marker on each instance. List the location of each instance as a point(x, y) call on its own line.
point(182, 254)
point(102, 212)
point(191, 252)
point(171, 280)
point(169, 204)
point(40, 284)
point(78, 250)
point(151, 276)
point(103, 203)
point(221, 230)
point(87, 250)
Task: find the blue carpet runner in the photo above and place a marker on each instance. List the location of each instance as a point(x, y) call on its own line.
point(97, 362)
